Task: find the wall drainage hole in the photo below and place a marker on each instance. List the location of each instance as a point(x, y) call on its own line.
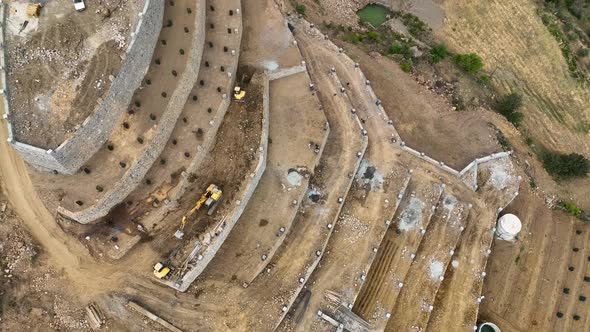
point(110, 147)
point(86, 170)
point(231, 12)
point(212, 8)
point(185, 120)
point(210, 44)
point(195, 98)
point(162, 161)
point(79, 203)
point(157, 61)
point(122, 164)
point(212, 26)
point(174, 142)
point(148, 82)
point(202, 83)
point(169, 23)
point(228, 30)
point(186, 154)
point(163, 41)
point(164, 94)
point(225, 49)
point(186, 29)
point(137, 103)
point(99, 189)
point(181, 51)
point(209, 110)
point(148, 182)
point(140, 140)
point(206, 63)
point(152, 117)
point(222, 68)
point(174, 73)
point(125, 125)
point(189, 11)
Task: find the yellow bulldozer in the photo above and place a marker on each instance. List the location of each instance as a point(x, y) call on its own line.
point(210, 198)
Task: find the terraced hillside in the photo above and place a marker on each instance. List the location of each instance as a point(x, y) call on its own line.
point(329, 220)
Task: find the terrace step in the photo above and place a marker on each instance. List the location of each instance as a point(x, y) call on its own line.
point(413, 306)
point(397, 249)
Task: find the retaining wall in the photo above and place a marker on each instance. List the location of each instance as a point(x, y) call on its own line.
point(207, 255)
point(96, 129)
point(179, 190)
point(133, 177)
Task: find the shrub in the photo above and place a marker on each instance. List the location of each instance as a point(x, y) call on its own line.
point(509, 103)
point(406, 66)
point(583, 52)
point(373, 36)
point(566, 166)
point(508, 106)
point(485, 79)
point(570, 208)
point(354, 38)
point(470, 62)
point(300, 9)
point(438, 53)
point(398, 48)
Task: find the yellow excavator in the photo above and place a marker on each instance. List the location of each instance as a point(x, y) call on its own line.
point(239, 94)
point(161, 271)
point(210, 198)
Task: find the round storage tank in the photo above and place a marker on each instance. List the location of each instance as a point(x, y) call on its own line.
point(508, 227)
point(488, 327)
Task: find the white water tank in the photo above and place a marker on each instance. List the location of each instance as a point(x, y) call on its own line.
point(508, 227)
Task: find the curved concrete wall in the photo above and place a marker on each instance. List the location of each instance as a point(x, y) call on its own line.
point(96, 129)
point(133, 177)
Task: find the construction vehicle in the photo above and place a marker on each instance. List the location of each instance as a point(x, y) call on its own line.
point(33, 10)
point(210, 198)
point(161, 271)
point(239, 94)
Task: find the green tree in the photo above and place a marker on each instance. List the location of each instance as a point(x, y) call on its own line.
point(469, 62)
point(438, 53)
point(583, 52)
point(565, 166)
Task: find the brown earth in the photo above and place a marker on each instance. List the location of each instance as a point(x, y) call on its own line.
point(58, 73)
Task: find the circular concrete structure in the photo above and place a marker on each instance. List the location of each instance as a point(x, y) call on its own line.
point(488, 327)
point(508, 227)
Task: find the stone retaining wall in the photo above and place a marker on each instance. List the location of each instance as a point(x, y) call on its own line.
point(133, 177)
point(96, 129)
point(179, 190)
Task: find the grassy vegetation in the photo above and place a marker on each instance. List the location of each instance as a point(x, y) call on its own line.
point(558, 27)
point(416, 27)
point(381, 40)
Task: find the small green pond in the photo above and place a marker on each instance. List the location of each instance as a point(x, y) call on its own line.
point(374, 14)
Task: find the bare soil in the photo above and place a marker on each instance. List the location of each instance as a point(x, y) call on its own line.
point(59, 70)
point(31, 290)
